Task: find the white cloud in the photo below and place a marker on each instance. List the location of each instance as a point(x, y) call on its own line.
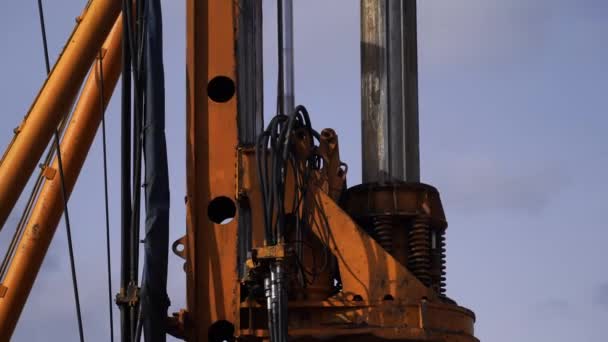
point(554, 308)
point(600, 297)
point(481, 31)
point(478, 184)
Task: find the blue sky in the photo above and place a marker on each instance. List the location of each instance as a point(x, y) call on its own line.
point(513, 112)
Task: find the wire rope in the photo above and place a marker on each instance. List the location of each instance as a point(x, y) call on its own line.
point(105, 187)
point(63, 188)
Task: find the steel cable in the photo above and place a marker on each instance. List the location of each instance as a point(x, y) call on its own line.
point(125, 178)
point(138, 127)
point(27, 210)
point(63, 189)
point(105, 186)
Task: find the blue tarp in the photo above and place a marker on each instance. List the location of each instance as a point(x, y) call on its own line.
point(154, 299)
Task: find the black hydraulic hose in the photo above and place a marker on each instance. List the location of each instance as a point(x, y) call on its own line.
point(105, 188)
point(136, 187)
point(154, 300)
point(125, 176)
point(260, 153)
point(129, 35)
point(274, 153)
point(137, 138)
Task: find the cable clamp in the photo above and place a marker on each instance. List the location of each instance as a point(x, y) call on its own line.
point(130, 297)
point(48, 172)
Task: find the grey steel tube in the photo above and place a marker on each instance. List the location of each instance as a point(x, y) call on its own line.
point(276, 300)
point(250, 95)
point(275, 284)
point(286, 77)
point(389, 91)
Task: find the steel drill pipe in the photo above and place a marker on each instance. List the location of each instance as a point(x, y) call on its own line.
point(54, 100)
point(286, 53)
point(389, 91)
point(46, 214)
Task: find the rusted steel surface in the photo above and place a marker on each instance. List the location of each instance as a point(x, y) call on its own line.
point(380, 299)
point(337, 319)
point(408, 221)
point(334, 170)
point(366, 269)
point(250, 96)
point(211, 158)
point(47, 211)
point(389, 91)
point(395, 198)
point(248, 193)
point(54, 100)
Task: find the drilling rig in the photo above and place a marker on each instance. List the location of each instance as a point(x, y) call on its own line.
point(277, 246)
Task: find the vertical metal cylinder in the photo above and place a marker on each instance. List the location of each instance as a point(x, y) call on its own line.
point(125, 179)
point(249, 54)
point(286, 77)
point(276, 300)
point(389, 91)
point(47, 212)
point(250, 96)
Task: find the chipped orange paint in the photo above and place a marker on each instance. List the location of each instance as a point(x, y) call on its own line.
point(366, 268)
point(212, 277)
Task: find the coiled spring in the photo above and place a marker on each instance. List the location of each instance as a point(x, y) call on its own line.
point(439, 262)
point(419, 260)
point(383, 231)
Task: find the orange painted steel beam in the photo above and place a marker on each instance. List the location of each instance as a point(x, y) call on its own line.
point(46, 214)
point(211, 249)
point(366, 269)
point(54, 100)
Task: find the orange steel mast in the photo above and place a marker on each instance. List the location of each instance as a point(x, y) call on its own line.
point(386, 294)
point(211, 142)
point(383, 244)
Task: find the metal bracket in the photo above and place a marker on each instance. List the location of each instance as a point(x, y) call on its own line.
point(333, 174)
point(48, 172)
point(17, 129)
point(179, 325)
point(180, 251)
point(280, 251)
point(263, 256)
point(129, 297)
point(245, 168)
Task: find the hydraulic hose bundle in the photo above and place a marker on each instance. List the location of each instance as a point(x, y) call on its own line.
point(274, 154)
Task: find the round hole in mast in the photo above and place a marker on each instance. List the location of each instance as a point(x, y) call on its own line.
point(221, 210)
point(221, 89)
point(221, 331)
